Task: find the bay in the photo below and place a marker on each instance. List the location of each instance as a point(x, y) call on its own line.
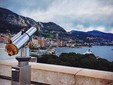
point(105, 52)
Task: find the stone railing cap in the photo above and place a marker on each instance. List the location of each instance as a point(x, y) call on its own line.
point(65, 69)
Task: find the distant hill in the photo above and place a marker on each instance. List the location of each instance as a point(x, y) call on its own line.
point(94, 33)
point(10, 21)
point(101, 34)
point(50, 26)
point(79, 35)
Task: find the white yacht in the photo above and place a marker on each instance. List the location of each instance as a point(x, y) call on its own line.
point(88, 52)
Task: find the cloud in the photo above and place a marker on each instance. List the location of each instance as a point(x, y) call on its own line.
point(70, 14)
point(83, 28)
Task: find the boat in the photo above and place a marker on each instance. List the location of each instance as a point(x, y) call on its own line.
point(88, 52)
point(51, 51)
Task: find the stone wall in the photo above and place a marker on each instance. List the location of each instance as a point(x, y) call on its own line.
point(61, 75)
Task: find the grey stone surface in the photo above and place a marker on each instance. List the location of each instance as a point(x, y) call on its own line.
point(60, 75)
point(5, 82)
point(5, 70)
point(53, 78)
point(82, 80)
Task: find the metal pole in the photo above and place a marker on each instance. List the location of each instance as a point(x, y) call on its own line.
point(21, 74)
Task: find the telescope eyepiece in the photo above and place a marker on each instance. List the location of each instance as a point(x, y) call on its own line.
point(9, 54)
point(11, 49)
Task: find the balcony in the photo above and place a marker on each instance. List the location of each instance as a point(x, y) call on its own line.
point(46, 74)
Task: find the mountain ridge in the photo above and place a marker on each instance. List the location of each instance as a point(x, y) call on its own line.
point(95, 33)
point(14, 22)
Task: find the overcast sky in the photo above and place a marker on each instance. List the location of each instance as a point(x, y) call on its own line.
point(82, 15)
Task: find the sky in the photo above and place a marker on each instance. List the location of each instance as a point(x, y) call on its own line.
point(82, 15)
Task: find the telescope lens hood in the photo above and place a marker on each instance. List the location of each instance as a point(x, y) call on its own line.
point(11, 49)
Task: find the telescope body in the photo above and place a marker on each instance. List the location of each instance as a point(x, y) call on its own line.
point(18, 41)
point(16, 36)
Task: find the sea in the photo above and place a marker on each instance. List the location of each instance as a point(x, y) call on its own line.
point(105, 52)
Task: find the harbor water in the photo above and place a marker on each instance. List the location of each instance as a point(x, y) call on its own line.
point(105, 52)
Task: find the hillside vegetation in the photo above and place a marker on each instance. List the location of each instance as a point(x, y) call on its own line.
point(77, 60)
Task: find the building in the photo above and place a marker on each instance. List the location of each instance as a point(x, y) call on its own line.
point(40, 42)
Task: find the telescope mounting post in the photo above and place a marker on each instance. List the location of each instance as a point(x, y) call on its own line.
point(21, 74)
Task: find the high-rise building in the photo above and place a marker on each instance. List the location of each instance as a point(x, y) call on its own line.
point(41, 42)
point(57, 39)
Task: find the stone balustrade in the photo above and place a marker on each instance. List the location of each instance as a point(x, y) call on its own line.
point(60, 75)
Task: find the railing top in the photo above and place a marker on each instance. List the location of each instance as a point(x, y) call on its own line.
point(65, 69)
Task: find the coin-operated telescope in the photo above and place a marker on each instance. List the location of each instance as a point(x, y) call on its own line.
point(21, 74)
point(19, 41)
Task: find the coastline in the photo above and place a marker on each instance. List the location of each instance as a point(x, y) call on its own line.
point(101, 51)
